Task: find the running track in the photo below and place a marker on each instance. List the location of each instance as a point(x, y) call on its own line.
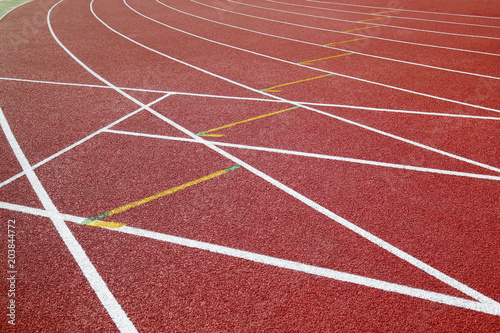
point(320, 166)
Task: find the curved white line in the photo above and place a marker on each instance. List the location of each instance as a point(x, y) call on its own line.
point(313, 68)
point(351, 33)
point(329, 47)
point(408, 10)
point(368, 23)
point(391, 16)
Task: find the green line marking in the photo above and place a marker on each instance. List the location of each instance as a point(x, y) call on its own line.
point(237, 166)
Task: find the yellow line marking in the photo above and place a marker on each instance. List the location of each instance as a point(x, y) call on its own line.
point(250, 119)
point(346, 41)
point(372, 26)
point(164, 193)
point(212, 135)
point(389, 11)
point(289, 83)
point(372, 19)
point(335, 56)
point(104, 224)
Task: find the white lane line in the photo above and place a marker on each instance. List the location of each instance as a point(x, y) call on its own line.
point(407, 10)
point(89, 271)
point(274, 100)
point(363, 233)
point(88, 137)
point(367, 23)
point(285, 264)
point(352, 33)
point(483, 165)
point(328, 47)
point(391, 16)
point(314, 155)
point(313, 68)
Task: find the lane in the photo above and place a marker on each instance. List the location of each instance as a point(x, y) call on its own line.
point(240, 55)
point(367, 44)
point(429, 81)
point(475, 44)
point(459, 11)
point(388, 21)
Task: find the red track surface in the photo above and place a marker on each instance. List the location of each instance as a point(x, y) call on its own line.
point(404, 147)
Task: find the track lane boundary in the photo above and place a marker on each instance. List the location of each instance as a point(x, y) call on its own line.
point(359, 22)
point(354, 34)
point(407, 10)
point(314, 155)
point(331, 47)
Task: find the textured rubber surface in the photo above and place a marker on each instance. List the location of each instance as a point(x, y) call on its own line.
point(242, 159)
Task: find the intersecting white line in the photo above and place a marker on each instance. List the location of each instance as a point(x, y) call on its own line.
point(79, 142)
point(393, 16)
point(328, 47)
point(354, 34)
point(314, 155)
point(408, 10)
point(274, 100)
point(379, 24)
point(89, 271)
point(281, 263)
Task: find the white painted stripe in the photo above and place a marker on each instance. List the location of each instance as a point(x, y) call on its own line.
point(274, 100)
point(390, 16)
point(89, 271)
point(329, 47)
point(285, 264)
point(313, 68)
point(88, 137)
point(408, 10)
point(396, 17)
point(483, 165)
point(367, 23)
point(352, 33)
point(392, 249)
point(314, 155)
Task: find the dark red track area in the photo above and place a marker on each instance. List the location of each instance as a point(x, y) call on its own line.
point(408, 155)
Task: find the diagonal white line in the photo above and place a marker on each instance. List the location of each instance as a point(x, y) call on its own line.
point(10, 10)
point(89, 271)
point(88, 137)
point(379, 24)
point(314, 155)
point(283, 263)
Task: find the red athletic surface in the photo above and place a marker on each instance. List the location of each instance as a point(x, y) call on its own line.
point(449, 222)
